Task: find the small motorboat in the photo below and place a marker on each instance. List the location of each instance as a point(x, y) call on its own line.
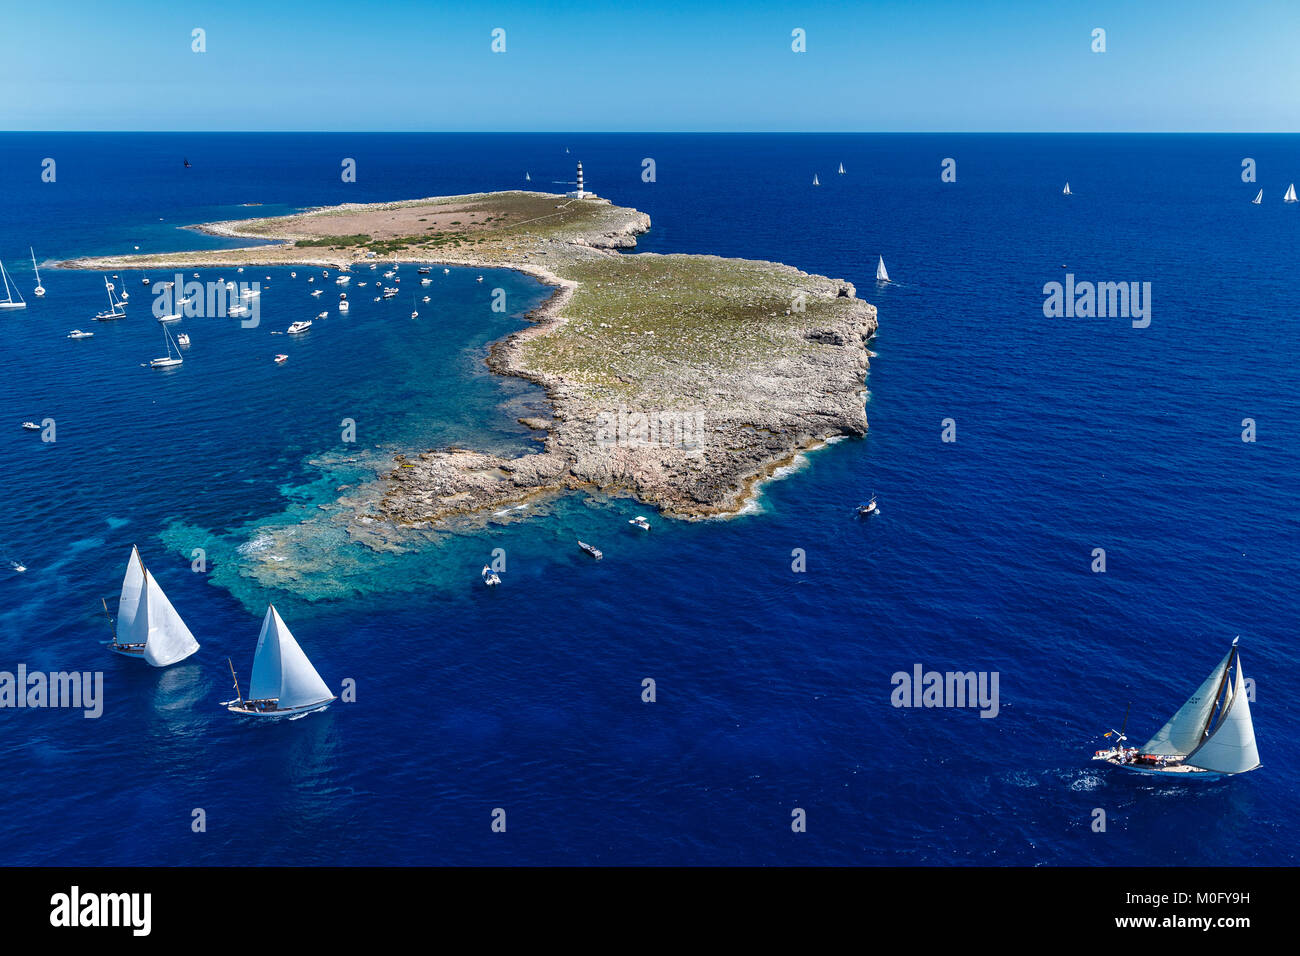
point(591, 550)
point(235, 311)
point(480, 279)
point(490, 577)
point(391, 293)
point(316, 292)
point(78, 334)
point(343, 280)
point(426, 282)
point(281, 359)
point(174, 317)
point(870, 508)
point(343, 305)
point(144, 281)
point(446, 271)
point(240, 269)
point(299, 326)
point(323, 315)
point(362, 284)
point(640, 522)
point(425, 299)
point(183, 340)
point(31, 426)
point(325, 273)
point(415, 314)
point(424, 270)
point(378, 299)
point(293, 275)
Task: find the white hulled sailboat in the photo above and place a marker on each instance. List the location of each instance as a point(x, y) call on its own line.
point(881, 274)
point(1259, 197)
point(1210, 736)
point(284, 682)
point(40, 289)
point(116, 310)
point(147, 625)
point(9, 302)
point(1290, 194)
point(1066, 190)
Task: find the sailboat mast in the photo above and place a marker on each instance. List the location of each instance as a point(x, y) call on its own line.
point(1218, 693)
point(238, 692)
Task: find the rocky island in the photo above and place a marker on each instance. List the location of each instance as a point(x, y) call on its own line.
point(682, 380)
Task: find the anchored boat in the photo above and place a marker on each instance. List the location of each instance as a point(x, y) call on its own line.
point(1210, 736)
point(591, 550)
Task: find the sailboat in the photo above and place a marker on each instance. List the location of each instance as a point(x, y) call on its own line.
point(40, 289)
point(527, 178)
point(841, 169)
point(116, 310)
point(147, 625)
point(881, 274)
point(1210, 736)
point(1066, 190)
point(167, 361)
point(9, 302)
point(1259, 197)
point(284, 682)
point(1290, 194)
point(816, 181)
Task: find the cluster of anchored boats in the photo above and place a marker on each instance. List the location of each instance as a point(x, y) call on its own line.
point(283, 684)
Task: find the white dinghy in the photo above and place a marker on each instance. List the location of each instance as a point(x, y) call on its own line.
point(147, 625)
point(1210, 736)
point(284, 682)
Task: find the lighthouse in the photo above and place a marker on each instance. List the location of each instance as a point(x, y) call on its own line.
point(578, 193)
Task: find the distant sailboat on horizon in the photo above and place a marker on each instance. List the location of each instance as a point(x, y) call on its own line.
point(1259, 197)
point(841, 169)
point(1211, 735)
point(1066, 190)
point(284, 682)
point(881, 274)
point(816, 181)
point(528, 178)
point(1290, 194)
point(9, 302)
point(147, 625)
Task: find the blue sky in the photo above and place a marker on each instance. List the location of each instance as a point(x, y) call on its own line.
point(647, 65)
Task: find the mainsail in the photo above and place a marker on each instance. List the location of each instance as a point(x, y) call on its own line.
point(1290, 194)
point(881, 274)
point(1184, 730)
point(281, 670)
point(132, 608)
point(1230, 746)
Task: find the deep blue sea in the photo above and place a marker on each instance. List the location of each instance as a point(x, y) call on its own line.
point(773, 686)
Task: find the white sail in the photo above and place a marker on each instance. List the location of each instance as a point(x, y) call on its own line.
point(1066, 190)
point(1290, 194)
point(881, 274)
point(1259, 197)
point(1181, 735)
point(281, 669)
point(1230, 748)
point(841, 169)
point(169, 639)
point(132, 608)
point(815, 182)
point(10, 291)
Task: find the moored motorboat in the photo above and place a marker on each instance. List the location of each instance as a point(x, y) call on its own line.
point(591, 550)
point(78, 334)
point(490, 577)
point(31, 427)
point(300, 326)
point(640, 522)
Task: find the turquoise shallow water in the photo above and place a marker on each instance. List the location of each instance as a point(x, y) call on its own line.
point(773, 686)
